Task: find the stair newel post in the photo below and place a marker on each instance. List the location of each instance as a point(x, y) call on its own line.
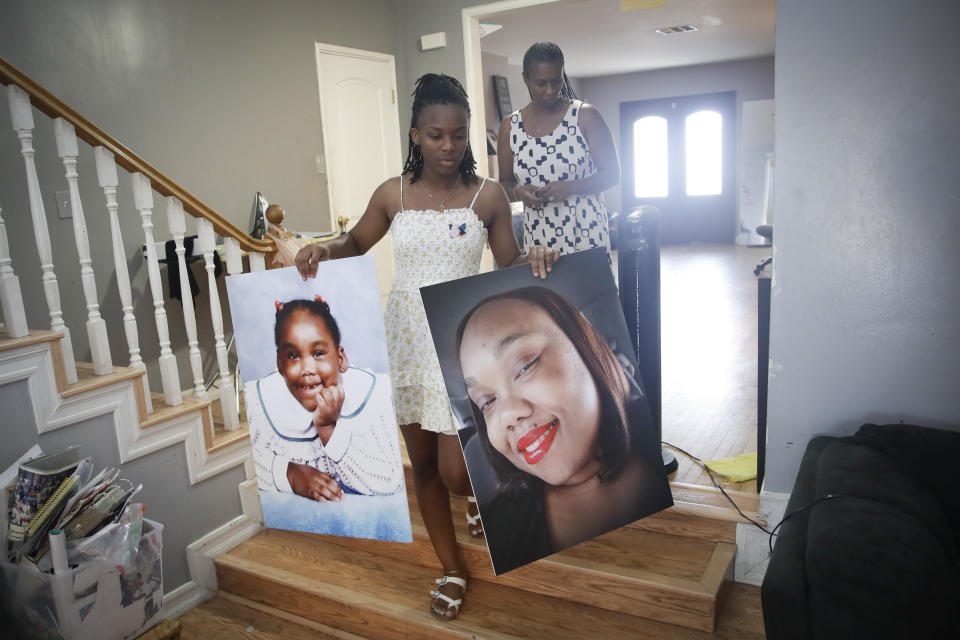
point(22, 117)
point(107, 175)
point(228, 404)
point(169, 376)
point(11, 301)
point(177, 224)
point(68, 151)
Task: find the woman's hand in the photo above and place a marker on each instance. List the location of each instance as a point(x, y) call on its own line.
point(542, 260)
point(553, 192)
point(329, 405)
point(311, 483)
point(527, 195)
point(309, 256)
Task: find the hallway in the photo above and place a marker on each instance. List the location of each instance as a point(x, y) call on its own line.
point(709, 354)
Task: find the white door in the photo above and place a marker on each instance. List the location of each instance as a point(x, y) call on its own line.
point(361, 136)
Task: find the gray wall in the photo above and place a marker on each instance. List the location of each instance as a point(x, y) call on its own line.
point(865, 300)
point(751, 79)
point(186, 512)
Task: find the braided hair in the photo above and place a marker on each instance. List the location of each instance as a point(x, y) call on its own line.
point(318, 307)
point(546, 52)
point(437, 88)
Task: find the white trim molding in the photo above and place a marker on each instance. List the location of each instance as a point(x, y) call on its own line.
point(753, 545)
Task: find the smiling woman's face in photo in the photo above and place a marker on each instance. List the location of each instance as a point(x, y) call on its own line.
point(538, 400)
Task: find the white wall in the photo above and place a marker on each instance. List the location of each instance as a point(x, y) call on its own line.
point(865, 298)
point(751, 79)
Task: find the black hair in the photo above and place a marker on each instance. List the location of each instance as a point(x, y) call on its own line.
point(317, 307)
point(614, 444)
point(437, 88)
point(546, 52)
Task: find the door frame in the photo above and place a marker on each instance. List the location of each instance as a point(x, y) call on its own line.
point(473, 74)
point(325, 125)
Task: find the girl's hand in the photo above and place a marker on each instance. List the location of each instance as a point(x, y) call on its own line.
point(542, 260)
point(553, 192)
point(329, 404)
point(309, 256)
point(527, 195)
point(312, 483)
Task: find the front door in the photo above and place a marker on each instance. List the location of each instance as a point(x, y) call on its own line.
point(679, 156)
point(361, 136)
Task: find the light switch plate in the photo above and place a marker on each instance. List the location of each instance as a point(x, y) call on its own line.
point(64, 212)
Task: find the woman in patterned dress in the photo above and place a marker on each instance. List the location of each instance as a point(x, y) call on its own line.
point(557, 156)
point(441, 214)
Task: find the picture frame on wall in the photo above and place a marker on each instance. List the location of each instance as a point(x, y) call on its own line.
point(501, 93)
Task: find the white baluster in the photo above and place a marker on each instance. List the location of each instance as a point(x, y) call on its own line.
point(177, 224)
point(14, 317)
point(22, 117)
point(228, 398)
point(107, 176)
point(96, 327)
point(257, 262)
point(169, 377)
point(234, 256)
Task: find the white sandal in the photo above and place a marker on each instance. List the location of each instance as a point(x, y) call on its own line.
point(451, 603)
point(473, 521)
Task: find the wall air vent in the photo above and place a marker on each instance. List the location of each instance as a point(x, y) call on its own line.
point(680, 28)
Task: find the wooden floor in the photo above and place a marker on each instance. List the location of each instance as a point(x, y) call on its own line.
point(709, 354)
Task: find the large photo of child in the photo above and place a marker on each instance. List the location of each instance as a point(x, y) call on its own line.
point(316, 387)
point(557, 434)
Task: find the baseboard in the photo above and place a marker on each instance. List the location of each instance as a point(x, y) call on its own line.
point(185, 597)
point(753, 545)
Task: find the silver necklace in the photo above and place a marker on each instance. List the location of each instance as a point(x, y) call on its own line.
point(443, 203)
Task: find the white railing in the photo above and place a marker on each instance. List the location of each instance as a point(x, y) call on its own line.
point(69, 128)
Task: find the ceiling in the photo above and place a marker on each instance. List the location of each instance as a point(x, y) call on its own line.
point(598, 39)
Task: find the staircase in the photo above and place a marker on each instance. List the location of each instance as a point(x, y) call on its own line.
point(100, 367)
point(666, 576)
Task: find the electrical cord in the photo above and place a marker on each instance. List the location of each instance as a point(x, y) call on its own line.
point(717, 485)
point(770, 533)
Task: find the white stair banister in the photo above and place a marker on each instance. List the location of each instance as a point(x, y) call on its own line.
point(177, 224)
point(257, 261)
point(228, 400)
point(11, 301)
point(234, 255)
point(68, 151)
point(22, 117)
point(169, 376)
point(107, 176)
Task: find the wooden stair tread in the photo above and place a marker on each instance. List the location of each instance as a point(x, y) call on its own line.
point(87, 380)
point(34, 337)
point(223, 438)
point(162, 412)
point(361, 590)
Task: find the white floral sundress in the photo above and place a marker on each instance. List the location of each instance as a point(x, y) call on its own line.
point(428, 247)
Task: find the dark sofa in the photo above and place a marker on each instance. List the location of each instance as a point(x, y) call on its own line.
point(881, 559)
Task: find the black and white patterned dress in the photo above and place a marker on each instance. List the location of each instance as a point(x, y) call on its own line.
point(578, 222)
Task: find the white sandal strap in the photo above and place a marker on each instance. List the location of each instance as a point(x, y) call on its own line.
point(472, 499)
point(450, 601)
point(460, 582)
point(473, 520)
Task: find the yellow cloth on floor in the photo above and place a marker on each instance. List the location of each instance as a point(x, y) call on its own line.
point(738, 468)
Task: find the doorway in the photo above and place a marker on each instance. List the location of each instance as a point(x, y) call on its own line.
point(679, 156)
point(360, 125)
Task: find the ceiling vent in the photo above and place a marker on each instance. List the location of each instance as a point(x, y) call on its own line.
point(680, 28)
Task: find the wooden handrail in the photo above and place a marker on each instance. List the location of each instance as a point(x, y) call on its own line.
point(52, 106)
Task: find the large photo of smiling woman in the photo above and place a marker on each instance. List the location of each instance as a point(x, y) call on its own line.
point(557, 434)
